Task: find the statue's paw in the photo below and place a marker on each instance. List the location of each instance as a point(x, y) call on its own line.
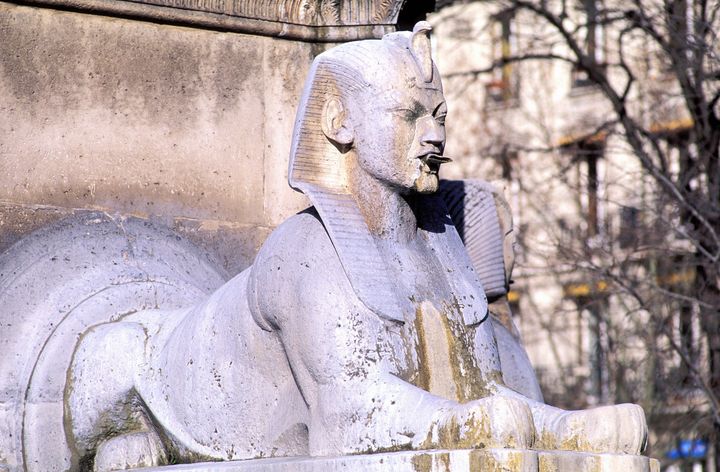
point(495, 421)
point(611, 429)
point(130, 451)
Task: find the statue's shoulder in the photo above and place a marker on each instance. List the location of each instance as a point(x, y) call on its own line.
point(299, 236)
point(296, 264)
point(305, 223)
point(297, 248)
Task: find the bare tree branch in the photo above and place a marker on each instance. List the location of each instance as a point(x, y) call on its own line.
point(499, 63)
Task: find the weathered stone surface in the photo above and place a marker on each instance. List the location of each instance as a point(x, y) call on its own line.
point(17, 221)
point(361, 327)
point(281, 93)
point(233, 245)
point(144, 119)
point(572, 461)
point(318, 20)
point(488, 460)
point(55, 285)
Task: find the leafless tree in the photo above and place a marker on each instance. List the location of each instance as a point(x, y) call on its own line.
point(655, 64)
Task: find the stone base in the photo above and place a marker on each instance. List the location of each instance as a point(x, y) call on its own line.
point(570, 461)
point(487, 460)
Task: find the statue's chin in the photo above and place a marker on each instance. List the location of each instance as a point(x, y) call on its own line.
point(426, 183)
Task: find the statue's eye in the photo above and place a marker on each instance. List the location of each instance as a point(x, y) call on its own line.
point(440, 113)
point(410, 110)
point(406, 113)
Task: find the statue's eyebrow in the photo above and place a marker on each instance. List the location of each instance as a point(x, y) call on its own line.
point(414, 106)
point(418, 107)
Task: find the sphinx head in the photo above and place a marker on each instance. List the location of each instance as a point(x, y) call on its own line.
point(375, 107)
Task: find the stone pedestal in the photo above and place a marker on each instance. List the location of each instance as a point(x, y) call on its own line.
point(487, 460)
point(583, 462)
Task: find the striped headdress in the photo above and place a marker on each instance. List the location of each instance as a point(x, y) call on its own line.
point(319, 170)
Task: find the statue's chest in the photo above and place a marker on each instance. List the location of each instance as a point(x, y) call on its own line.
point(441, 354)
point(423, 272)
point(441, 345)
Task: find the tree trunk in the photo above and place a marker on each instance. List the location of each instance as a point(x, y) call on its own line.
point(710, 316)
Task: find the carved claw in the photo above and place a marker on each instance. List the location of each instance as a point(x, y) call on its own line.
point(495, 421)
point(618, 429)
point(129, 451)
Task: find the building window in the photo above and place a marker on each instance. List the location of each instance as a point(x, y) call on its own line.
point(503, 85)
point(507, 159)
point(629, 235)
point(588, 190)
point(594, 41)
point(589, 155)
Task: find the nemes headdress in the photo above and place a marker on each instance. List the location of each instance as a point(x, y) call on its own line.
point(319, 170)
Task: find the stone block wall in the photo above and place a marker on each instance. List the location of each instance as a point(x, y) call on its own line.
point(187, 126)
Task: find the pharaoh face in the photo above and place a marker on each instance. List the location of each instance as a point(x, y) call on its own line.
point(399, 131)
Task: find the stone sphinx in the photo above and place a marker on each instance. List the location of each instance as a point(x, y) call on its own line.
point(361, 327)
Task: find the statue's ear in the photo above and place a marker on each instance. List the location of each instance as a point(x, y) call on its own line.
point(335, 125)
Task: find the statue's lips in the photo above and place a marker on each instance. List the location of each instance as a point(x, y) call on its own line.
point(433, 158)
point(431, 162)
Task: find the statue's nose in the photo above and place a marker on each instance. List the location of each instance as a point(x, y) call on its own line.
point(431, 132)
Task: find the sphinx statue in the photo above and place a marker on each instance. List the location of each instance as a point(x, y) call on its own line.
point(361, 327)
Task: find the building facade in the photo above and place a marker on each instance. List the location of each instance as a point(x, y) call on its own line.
point(603, 287)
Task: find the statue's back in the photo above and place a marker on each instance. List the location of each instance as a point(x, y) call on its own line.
point(57, 283)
